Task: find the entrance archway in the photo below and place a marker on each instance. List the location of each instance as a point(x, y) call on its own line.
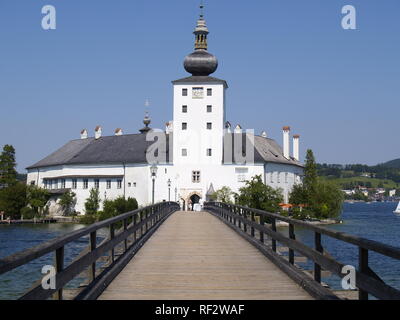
point(192, 199)
point(195, 198)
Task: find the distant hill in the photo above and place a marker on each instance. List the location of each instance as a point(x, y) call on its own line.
point(392, 164)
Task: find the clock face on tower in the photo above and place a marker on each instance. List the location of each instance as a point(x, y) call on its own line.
point(198, 93)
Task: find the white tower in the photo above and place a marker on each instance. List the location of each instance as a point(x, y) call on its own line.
point(199, 107)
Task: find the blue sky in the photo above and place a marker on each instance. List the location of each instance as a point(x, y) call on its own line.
point(287, 62)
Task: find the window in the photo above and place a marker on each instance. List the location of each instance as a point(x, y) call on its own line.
point(56, 184)
point(209, 92)
point(85, 183)
point(97, 183)
point(184, 92)
point(129, 184)
point(108, 184)
point(196, 176)
point(278, 177)
point(45, 184)
point(286, 177)
point(209, 152)
point(271, 175)
point(241, 174)
point(209, 109)
point(119, 184)
point(198, 93)
point(62, 183)
point(184, 109)
point(184, 152)
point(184, 126)
point(74, 183)
point(209, 125)
point(134, 184)
point(32, 183)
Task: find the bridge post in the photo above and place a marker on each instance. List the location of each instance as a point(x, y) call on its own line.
point(262, 223)
point(244, 222)
point(319, 248)
point(126, 240)
point(59, 266)
point(293, 237)
point(112, 235)
point(134, 224)
point(93, 245)
point(363, 268)
point(273, 229)
point(252, 220)
point(240, 215)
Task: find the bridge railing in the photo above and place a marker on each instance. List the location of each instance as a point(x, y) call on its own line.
point(243, 220)
point(129, 231)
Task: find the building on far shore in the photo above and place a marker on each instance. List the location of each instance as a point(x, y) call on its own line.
point(195, 159)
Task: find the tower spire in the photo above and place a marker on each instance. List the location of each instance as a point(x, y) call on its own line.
point(201, 62)
point(201, 31)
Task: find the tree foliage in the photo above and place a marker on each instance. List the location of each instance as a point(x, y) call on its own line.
point(67, 202)
point(113, 208)
point(321, 199)
point(255, 194)
point(92, 203)
point(13, 199)
point(8, 173)
point(223, 195)
point(37, 198)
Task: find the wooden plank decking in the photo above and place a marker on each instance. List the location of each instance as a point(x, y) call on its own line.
point(193, 256)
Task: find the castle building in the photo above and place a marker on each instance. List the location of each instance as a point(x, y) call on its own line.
point(197, 153)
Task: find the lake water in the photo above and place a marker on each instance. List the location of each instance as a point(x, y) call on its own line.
point(373, 221)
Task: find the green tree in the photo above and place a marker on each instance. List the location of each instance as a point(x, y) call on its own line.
point(13, 199)
point(310, 173)
point(67, 202)
point(112, 208)
point(223, 195)
point(123, 205)
point(327, 201)
point(92, 203)
point(321, 199)
point(255, 194)
point(37, 199)
point(8, 173)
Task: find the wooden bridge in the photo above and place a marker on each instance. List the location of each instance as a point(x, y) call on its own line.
point(225, 252)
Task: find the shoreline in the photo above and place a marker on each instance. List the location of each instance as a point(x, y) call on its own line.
point(40, 221)
point(315, 223)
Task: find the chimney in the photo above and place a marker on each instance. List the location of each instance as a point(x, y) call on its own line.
point(97, 132)
point(169, 127)
point(228, 127)
point(238, 129)
point(286, 142)
point(296, 151)
point(118, 132)
point(84, 134)
point(264, 134)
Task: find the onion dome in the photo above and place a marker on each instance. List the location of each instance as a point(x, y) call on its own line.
point(201, 62)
